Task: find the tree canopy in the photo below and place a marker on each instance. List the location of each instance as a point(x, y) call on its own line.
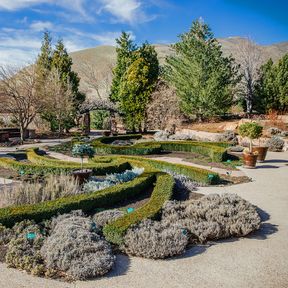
point(202, 76)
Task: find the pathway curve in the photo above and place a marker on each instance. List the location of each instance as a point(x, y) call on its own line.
point(64, 157)
point(177, 160)
point(258, 261)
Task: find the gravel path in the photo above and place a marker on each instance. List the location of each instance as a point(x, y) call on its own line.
point(258, 261)
point(176, 160)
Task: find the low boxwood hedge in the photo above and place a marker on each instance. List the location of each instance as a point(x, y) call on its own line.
point(87, 202)
point(197, 174)
point(57, 167)
point(103, 146)
point(215, 151)
point(163, 190)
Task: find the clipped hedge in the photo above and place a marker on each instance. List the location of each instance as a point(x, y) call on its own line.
point(103, 146)
point(163, 190)
point(215, 151)
point(197, 174)
point(105, 198)
point(57, 167)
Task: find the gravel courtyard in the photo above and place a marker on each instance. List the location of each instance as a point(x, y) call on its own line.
point(260, 260)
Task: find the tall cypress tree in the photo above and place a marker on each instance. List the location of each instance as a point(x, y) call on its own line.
point(137, 85)
point(202, 76)
point(125, 56)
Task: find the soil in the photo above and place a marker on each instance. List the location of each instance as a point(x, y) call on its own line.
point(214, 127)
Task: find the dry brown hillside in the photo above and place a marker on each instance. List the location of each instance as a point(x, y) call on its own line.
point(101, 59)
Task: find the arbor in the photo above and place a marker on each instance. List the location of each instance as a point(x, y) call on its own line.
point(20, 96)
point(137, 85)
point(249, 57)
point(202, 76)
point(125, 56)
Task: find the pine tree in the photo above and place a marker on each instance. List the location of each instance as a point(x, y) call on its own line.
point(282, 81)
point(125, 56)
point(137, 85)
point(272, 86)
point(202, 76)
point(266, 90)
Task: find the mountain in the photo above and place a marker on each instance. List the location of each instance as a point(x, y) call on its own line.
point(98, 62)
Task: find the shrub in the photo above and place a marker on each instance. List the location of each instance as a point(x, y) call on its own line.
point(86, 202)
point(161, 136)
point(106, 217)
point(196, 174)
point(54, 187)
point(213, 217)
point(275, 144)
point(252, 130)
point(83, 150)
point(111, 180)
point(24, 254)
point(73, 248)
point(152, 239)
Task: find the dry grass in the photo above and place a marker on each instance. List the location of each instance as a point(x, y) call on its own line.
point(53, 187)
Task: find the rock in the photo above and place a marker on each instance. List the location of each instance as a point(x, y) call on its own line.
point(274, 131)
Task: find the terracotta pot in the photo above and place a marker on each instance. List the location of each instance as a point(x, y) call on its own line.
point(82, 175)
point(249, 160)
point(262, 152)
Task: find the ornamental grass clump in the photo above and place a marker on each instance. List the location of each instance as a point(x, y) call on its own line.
point(53, 187)
point(76, 249)
point(83, 150)
point(152, 239)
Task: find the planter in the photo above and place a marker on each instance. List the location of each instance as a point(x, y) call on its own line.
point(249, 160)
point(82, 175)
point(262, 152)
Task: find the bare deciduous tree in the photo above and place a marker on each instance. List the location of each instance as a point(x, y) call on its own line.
point(96, 82)
point(19, 95)
point(249, 56)
point(163, 109)
point(56, 99)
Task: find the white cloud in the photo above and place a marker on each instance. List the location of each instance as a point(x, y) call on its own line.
point(130, 11)
point(41, 25)
point(19, 4)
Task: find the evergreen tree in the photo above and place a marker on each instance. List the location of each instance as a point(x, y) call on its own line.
point(202, 76)
point(266, 90)
point(272, 87)
point(44, 58)
point(282, 82)
point(125, 56)
point(137, 85)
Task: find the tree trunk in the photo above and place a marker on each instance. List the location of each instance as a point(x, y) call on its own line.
point(22, 133)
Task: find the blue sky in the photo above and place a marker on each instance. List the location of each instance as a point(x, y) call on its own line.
point(88, 23)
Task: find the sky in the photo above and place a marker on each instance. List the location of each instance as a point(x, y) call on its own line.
point(88, 23)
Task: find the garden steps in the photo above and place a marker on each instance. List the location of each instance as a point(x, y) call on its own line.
point(176, 160)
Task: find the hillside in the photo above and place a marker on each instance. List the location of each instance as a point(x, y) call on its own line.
point(100, 60)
